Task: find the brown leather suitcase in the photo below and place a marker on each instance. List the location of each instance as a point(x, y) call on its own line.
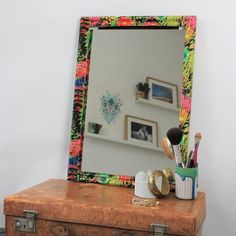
point(63, 208)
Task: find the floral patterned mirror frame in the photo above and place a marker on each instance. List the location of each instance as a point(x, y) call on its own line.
point(82, 79)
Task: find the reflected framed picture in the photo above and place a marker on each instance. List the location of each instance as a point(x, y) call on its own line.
point(163, 93)
point(141, 131)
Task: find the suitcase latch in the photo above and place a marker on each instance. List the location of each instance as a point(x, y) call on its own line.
point(26, 224)
point(159, 229)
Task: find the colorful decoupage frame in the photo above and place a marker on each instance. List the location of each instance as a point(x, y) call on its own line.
point(188, 23)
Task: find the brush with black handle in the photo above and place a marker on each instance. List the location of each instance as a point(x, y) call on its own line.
point(175, 136)
point(189, 159)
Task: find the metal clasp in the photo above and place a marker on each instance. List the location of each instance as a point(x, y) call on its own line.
point(30, 214)
point(26, 224)
point(159, 229)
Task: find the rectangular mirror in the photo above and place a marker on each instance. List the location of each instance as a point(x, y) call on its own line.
point(133, 83)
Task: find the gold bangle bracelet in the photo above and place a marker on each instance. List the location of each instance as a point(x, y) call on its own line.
point(169, 175)
point(165, 186)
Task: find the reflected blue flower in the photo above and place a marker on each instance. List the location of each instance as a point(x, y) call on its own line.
point(110, 107)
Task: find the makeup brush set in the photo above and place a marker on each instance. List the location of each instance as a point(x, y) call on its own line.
point(172, 150)
point(186, 173)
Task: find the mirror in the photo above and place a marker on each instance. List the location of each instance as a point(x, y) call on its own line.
point(134, 79)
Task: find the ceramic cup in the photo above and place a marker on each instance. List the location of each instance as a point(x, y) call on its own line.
point(186, 183)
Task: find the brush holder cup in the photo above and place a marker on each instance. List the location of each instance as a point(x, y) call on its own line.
point(186, 180)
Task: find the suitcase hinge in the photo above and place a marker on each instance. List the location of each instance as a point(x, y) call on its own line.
point(159, 229)
point(26, 224)
point(30, 214)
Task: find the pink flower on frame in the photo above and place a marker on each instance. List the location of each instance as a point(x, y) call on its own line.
point(125, 21)
point(191, 21)
point(94, 20)
point(124, 178)
point(82, 69)
point(186, 103)
point(75, 148)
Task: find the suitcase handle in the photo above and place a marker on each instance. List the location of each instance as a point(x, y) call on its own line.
point(60, 230)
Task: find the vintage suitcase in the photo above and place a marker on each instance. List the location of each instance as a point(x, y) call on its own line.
point(63, 208)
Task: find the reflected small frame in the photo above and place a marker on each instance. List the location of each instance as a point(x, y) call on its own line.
point(163, 93)
point(141, 131)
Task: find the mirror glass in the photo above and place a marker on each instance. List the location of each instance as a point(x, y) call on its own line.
point(133, 98)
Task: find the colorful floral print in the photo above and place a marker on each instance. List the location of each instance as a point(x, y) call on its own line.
point(125, 21)
point(75, 148)
point(82, 68)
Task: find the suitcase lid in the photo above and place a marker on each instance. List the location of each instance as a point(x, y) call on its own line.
point(94, 204)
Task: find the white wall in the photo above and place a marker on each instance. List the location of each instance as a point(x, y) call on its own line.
point(37, 61)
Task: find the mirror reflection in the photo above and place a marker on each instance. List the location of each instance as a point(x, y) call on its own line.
point(133, 99)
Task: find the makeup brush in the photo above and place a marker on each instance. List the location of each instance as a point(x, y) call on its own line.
point(197, 139)
point(175, 136)
point(189, 161)
point(167, 148)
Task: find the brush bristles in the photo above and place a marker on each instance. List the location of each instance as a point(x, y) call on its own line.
point(175, 135)
point(197, 138)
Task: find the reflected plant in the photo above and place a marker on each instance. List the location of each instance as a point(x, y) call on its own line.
point(143, 87)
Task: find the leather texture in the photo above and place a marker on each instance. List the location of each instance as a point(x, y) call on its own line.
point(100, 209)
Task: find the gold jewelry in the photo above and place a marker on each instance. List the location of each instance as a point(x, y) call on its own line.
point(169, 175)
point(167, 148)
point(145, 202)
point(164, 189)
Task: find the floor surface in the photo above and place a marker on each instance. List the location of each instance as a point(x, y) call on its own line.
point(2, 232)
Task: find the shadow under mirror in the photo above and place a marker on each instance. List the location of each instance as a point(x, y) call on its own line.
point(133, 98)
